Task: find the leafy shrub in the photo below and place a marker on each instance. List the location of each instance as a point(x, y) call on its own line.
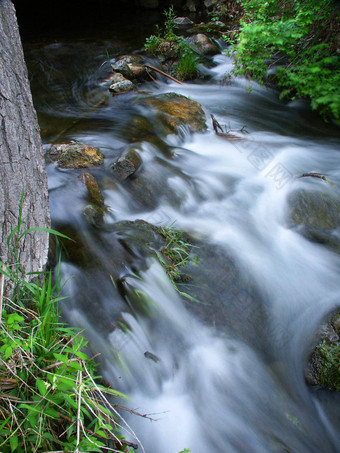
point(294, 34)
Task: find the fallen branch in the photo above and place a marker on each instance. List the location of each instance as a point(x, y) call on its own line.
point(217, 128)
point(163, 74)
point(314, 175)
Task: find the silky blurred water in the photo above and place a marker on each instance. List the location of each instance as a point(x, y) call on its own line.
point(210, 391)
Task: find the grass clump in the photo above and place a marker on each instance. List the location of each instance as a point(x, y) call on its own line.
point(175, 256)
point(51, 397)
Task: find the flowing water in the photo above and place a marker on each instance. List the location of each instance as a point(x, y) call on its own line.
point(229, 374)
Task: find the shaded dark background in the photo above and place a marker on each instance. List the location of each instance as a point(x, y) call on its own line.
point(41, 19)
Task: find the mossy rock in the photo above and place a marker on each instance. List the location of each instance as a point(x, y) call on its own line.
point(127, 164)
point(316, 215)
point(94, 194)
point(176, 110)
point(323, 368)
point(202, 44)
point(74, 155)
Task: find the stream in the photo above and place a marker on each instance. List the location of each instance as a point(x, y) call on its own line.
point(224, 372)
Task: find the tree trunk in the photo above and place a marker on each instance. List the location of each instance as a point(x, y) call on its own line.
point(22, 168)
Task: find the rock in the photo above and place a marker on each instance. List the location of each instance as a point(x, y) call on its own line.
point(203, 45)
point(316, 214)
point(127, 164)
point(121, 84)
point(183, 22)
point(131, 67)
point(323, 366)
point(175, 110)
point(94, 193)
point(169, 49)
point(74, 155)
point(94, 214)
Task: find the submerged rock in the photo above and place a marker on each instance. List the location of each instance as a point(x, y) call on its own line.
point(316, 215)
point(176, 110)
point(74, 155)
point(127, 164)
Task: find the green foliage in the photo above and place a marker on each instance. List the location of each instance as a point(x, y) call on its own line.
point(186, 68)
point(169, 24)
point(51, 398)
point(153, 43)
point(175, 256)
point(292, 33)
point(167, 43)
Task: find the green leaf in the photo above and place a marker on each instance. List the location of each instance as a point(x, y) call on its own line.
point(61, 357)
point(81, 355)
point(47, 230)
point(70, 401)
point(8, 352)
point(14, 442)
point(75, 365)
point(41, 386)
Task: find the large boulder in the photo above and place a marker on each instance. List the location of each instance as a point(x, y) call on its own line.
point(316, 215)
point(176, 110)
point(74, 155)
point(203, 45)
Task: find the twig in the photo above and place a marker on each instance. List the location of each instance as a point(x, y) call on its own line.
point(151, 77)
point(163, 74)
point(222, 134)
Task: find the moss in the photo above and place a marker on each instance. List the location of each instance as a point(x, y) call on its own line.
point(327, 372)
point(176, 109)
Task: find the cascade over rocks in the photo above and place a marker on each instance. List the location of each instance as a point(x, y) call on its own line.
point(175, 110)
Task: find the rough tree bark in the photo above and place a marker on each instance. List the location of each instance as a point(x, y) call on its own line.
point(22, 167)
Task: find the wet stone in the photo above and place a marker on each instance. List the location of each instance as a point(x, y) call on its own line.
point(203, 45)
point(130, 66)
point(74, 155)
point(120, 84)
point(316, 215)
point(127, 164)
point(94, 194)
point(175, 110)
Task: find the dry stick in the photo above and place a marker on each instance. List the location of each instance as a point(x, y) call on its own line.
point(164, 74)
point(227, 136)
point(150, 75)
